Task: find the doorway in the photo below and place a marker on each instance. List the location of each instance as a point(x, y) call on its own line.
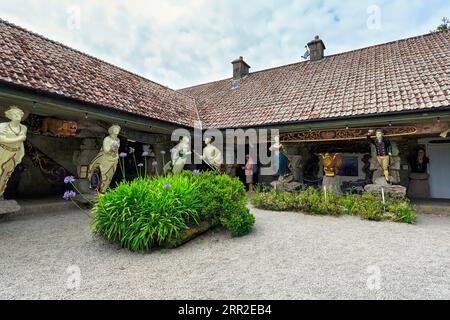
point(439, 168)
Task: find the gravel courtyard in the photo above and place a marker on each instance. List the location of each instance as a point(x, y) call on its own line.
point(287, 256)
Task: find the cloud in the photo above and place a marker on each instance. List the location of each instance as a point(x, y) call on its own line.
point(182, 43)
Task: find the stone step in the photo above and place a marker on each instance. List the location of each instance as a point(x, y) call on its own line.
point(42, 206)
point(436, 208)
point(8, 206)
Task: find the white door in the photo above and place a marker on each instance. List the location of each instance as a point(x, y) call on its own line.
point(439, 168)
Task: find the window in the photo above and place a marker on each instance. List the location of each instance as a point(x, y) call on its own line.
point(350, 167)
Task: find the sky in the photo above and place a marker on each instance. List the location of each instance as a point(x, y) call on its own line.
point(181, 43)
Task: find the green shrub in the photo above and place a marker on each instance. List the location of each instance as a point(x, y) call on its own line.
point(350, 204)
point(224, 201)
point(367, 206)
point(402, 210)
point(272, 199)
point(148, 212)
point(371, 207)
point(239, 223)
point(219, 195)
point(309, 201)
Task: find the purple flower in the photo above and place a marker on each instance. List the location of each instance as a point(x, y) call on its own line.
point(69, 179)
point(66, 195)
point(123, 155)
point(140, 165)
point(69, 195)
point(145, 154)
point(167, 186)
point(196, 172)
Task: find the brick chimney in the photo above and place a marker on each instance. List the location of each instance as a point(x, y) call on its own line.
point(316, 49)
point(240, 68)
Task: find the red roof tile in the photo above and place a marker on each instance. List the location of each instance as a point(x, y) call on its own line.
point(405, 75)
point(33, 61)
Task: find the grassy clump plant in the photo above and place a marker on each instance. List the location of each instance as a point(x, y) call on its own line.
point(148, 212)
point(311, 201)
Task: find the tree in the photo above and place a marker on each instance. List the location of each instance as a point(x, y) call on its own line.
point(445, 25)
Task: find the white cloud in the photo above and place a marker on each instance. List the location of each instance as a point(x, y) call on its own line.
point(181, 43)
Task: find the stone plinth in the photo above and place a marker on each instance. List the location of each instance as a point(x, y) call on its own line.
point(333, 184)
point(419, 186)
point(8, 206)
point(287, 183)
point(393, 190)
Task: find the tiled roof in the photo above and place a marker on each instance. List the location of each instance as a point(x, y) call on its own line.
point(405, 75)
point(32, 61)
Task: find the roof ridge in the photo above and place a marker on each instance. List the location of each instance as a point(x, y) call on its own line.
point(84, 54)
point(206, 83)
point(329, 56)
point(391, 42)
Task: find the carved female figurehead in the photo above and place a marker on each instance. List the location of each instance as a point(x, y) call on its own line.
point(112, 142)
point(14, 114)
point(280, 159)
point(105, 163)
point(208, 141)
point(186, 141)
point(114, 130)
point(12, 136)
point(180, 154)
point(182, 149)
point(212, 155)
point(276, 146)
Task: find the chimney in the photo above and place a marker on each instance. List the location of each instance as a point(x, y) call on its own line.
point(316, 49)
point(240, 68)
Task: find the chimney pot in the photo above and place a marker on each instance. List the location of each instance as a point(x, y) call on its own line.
point(316, 49)
point(240, 68)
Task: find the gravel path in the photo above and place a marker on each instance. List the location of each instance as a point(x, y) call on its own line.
point(287, 256)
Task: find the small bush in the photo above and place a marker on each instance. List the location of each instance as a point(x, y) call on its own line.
point(148, 212)
point(271, 199)
point(239, 223)
point(402, 210)
point(367, 206)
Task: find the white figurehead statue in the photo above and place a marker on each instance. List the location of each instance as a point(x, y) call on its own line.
point(12, 136)
point(276, 146)
point(278, 152)
point(107, 159)
point(180, 154)
point(212, 155)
